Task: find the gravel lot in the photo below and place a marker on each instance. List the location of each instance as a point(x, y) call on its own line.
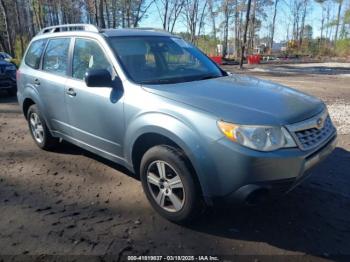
point(72, 202)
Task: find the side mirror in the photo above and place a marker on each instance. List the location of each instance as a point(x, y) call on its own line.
point(98, 78)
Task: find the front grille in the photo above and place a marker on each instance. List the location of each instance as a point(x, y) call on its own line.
point(312, 137)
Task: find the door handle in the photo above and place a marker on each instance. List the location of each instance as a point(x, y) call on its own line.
point(37, 82)
point(70, 91)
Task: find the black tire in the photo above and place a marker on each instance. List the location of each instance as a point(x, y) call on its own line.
point(173, 158)
point(48, 141)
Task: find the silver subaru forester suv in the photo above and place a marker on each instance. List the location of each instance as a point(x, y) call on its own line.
point(152, 102)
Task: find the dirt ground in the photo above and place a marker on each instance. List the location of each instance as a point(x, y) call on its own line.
point(72, 202)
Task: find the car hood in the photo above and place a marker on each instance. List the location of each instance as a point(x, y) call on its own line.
point(4, 63)
point(243, 100)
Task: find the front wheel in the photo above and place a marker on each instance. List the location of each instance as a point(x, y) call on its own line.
point(169, 185)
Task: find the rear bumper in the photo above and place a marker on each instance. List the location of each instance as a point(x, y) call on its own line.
point(262, 176)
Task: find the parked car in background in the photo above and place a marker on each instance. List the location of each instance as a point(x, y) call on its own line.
point(8, 77)
point(5, 56)
point(157, 105)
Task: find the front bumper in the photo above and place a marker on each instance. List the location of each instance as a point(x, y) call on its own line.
point(7, 81)
point(242, 172)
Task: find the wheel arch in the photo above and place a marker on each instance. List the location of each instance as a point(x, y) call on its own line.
point(27, 102)
point(156, 129)
point(29, 97)
point(148, 140)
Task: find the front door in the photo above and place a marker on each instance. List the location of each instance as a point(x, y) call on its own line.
point(95, 113)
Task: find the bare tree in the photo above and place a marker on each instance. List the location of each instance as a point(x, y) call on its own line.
point(194, 12)
point(245, 33)
point(237, 27)
point(5, 12)
point(226, 12)
point(213, 14)
point(19, 26)
point(273, 23)
point(101, 19)
point(321, 2)
point(303, 17)
point(340, 4)
point(169, 12)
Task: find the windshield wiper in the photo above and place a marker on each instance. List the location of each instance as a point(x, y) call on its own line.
point(160, 81)
point(205, 77)
point(178, 79)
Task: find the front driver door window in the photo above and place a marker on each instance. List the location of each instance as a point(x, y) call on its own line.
point(88, 55)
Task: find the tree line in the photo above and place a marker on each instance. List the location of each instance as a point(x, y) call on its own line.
point(237, 23)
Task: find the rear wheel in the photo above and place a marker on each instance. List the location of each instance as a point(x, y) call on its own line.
point(38, 129)
point(169, 185)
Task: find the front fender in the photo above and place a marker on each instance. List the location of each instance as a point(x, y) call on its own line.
point(184, 136)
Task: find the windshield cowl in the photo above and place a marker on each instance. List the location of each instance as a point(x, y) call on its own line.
point(180, 80)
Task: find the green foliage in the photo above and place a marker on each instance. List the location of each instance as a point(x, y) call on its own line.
point(347, 16)
point(18, 51)
point(16, 62)
point(207, 44)
point(342, 47)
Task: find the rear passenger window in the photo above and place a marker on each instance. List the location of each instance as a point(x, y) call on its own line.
point(34, 53)
point(88, 55)
point(56, 56)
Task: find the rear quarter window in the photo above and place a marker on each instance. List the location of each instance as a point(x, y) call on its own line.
point(34, 53)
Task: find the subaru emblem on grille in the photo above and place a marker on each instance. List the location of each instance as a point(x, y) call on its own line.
point(319, 123)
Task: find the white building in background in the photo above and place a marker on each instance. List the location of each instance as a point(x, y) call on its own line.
point(259, 49)
point(279, 47)
point(230, 49)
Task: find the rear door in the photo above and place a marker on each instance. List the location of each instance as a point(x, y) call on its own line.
point(30, 68)
point(52, 80)
point(95, 113)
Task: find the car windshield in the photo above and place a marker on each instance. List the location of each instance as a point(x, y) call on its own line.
point(162, 60)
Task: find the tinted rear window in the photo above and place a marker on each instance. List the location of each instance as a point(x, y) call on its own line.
point(34, 53)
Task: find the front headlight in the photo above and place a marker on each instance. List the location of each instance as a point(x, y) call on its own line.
point(262, 138)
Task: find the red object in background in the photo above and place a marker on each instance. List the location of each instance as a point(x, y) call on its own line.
point(216, 59)
point(254, 59)
point(249, 59)
point(258, 59)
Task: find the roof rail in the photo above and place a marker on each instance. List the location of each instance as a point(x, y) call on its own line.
point(69, 27)
point(150, 29)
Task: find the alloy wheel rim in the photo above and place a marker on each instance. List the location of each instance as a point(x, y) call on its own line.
point(166, 186)
point(36, 127)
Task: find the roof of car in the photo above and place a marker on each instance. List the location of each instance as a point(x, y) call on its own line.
point(134, 32)
point(88, 29)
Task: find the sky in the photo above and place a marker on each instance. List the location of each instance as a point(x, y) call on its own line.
point(282, 20)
